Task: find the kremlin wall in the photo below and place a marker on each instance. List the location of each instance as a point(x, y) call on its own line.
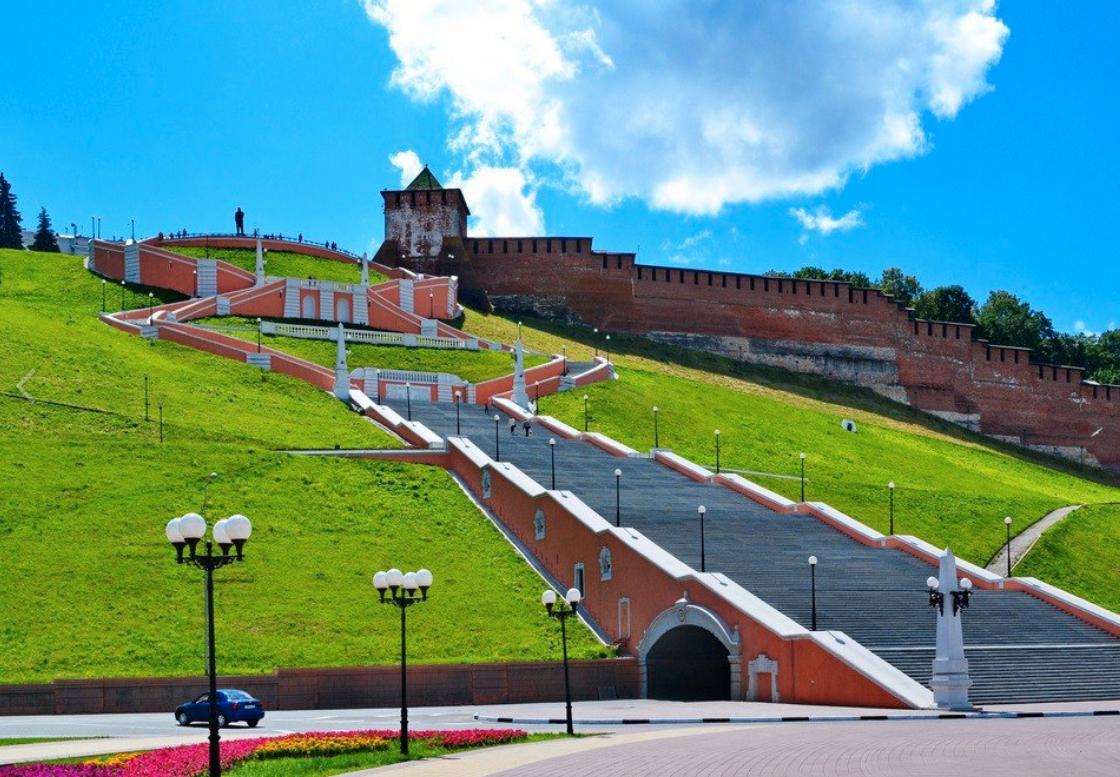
point(830, 328)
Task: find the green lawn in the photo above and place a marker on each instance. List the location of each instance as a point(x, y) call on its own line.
point(284, 263)
point(953, 488)
point(472, 366)
point(88, 489)
point(1081, 554)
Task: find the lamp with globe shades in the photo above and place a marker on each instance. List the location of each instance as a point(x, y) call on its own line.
point(562, 610)
point(402, 590)
point(230, 535)
point(960, 597)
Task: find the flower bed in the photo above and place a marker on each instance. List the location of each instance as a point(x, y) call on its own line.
point(192, 760)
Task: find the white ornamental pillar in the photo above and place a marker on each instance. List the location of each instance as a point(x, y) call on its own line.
point(365, 271)
point(260, 263)
point(341, 369)
point(950, 681)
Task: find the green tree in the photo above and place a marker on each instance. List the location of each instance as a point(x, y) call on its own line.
point(11, 229)
point(1008, 320)
point(946, 303)
point(45, 239)
point(1103, 357)
point(811, 273)
point(904, 288)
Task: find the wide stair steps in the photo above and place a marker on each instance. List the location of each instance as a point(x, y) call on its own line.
point(1023, 649)
point(132, 263)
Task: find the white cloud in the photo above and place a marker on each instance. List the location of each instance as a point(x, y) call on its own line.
point(823, 222)
point(692, 106)
point(693, 240)
point(502, 201)
point(408, 162)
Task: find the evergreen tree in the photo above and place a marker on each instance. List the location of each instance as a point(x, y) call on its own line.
point(45, 239)
point(11, 231)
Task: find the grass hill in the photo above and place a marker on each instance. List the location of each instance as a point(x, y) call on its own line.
point(284, 263)
point(1081, 554)
point(90, 588)
point(953, 487)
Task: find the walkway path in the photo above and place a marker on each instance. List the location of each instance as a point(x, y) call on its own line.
point(1025, 540)
point(1086, 747)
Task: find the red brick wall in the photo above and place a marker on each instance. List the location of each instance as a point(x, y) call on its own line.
point(857, 335)
point(349, 687)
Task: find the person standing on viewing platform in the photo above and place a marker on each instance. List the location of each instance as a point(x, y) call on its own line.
point(239, 220)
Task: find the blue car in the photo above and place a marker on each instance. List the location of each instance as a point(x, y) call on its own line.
point(233, 707)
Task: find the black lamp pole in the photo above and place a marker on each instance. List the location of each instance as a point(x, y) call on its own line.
point(656, 436)
point(208, 562)
point(122, 295)
point(813, 588)
point(562, 610)
point(1007, 525)
point(497, 439)
point(585, 412)
point(564, 351)
point(403, 592)
point(552, 456)
point(702, 510)
point(717, 451)
point(618, 497)
point(104, 284)
point(259, 326)
point(890, 487)
point(802, 477)
point(151, 303)
point(458, 399)
point(408, 399)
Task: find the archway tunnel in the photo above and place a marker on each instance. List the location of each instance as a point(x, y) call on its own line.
point(688, 663)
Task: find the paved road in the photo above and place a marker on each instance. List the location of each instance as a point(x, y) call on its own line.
point(1085, 747)
point(1025, 540)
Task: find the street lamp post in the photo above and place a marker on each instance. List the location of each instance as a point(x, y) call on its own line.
point(890, 488)
point(701, 510)
point(259, 327)
point(565, 610)
point(458, 400)
point(104, 285)
point(596, 339)
point(151, 304)
point(960, 597)
point(497, 439)
point(618, 497)
point(132, 224)
point(585, 412)
point(802, 457)
point(564, 352)
point(408, 399)
point(552, 456)
point(656, 435)
point(122, 295)
point(402, 589)
point(717, 451)
point(813, 589)
point(1007, 525)
point(230, 533)
point(607, 349)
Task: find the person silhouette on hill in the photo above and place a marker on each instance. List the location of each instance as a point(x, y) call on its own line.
point(239, 221)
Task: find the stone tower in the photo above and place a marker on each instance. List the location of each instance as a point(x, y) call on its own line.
point(420, 218)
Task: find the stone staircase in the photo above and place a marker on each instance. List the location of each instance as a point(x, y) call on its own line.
point(406, 287)
point(207, 270)
point(132, 263)
point(1020, 648)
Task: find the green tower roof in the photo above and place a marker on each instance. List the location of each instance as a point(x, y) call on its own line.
point(424, 181)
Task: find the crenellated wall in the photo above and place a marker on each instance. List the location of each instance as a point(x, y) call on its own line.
point(829, 328)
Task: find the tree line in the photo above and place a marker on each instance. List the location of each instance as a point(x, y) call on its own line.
point(11, 223)
point(1003, 318)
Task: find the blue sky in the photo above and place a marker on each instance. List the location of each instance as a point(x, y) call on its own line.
point(176, 115)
